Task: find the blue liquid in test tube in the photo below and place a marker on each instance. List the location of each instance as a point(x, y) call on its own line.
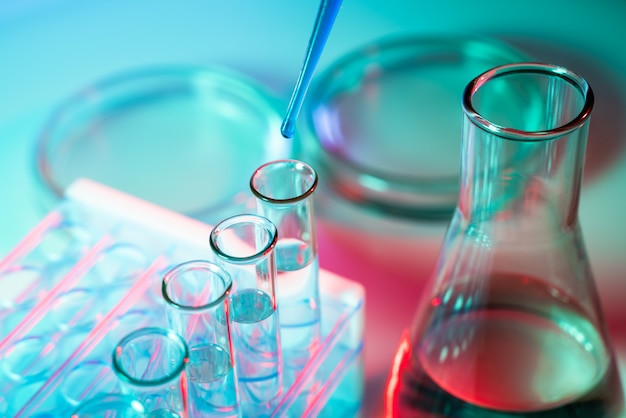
point(244, 245)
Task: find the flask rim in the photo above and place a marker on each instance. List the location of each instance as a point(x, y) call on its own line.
point(528, 67)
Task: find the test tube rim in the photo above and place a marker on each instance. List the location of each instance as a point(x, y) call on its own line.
point(164, 332)
point(302, 196)
point(254, 219)
point(214, 268)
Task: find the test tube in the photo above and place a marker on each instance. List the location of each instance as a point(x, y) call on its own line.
point(150, 363)
point(284, 193)
point(197, 308)
point(244, 245)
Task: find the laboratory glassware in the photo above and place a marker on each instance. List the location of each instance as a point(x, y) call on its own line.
point(510, 324)
point(196, 295)
point(167, 126)
point(324, 21)
point(244, 246)
point(395, 153)
point(284, 191)
point(150, 363)
point(77, 376)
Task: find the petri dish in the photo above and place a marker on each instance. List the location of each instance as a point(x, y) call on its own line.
point(383, 123)
point(185, 138)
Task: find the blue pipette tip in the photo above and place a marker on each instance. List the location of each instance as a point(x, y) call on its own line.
point(323, 23)
point(287, 129)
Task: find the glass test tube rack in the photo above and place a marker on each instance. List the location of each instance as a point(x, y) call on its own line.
point(90, 272)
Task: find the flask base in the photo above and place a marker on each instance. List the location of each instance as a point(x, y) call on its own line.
point(411, 393)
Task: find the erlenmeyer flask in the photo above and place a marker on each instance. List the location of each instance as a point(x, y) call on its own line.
point(511, 323)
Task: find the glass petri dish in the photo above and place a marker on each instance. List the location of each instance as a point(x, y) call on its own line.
point(185, 138)
point(383, 123)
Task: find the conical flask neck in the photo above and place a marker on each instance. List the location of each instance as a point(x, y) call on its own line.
point(524, 138)
point(533, 182)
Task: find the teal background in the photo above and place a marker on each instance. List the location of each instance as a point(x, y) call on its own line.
point(49, 49)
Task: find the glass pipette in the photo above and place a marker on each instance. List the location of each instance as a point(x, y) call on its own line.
point(323, 24)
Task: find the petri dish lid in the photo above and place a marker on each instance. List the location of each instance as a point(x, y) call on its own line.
point(185, 138)
point(383, 123)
